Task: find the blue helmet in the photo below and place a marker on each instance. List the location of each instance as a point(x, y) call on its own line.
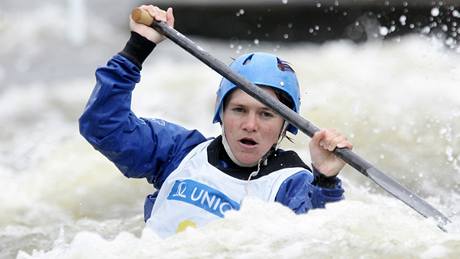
point(266, 70)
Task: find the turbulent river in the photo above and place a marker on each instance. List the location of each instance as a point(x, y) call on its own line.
point(397, 100)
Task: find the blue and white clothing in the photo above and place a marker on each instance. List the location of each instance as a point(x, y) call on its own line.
point(159, 151)
point(197, 192)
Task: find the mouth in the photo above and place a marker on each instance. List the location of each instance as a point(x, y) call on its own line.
point(248, 142)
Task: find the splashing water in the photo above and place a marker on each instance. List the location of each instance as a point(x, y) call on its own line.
point(397, 101)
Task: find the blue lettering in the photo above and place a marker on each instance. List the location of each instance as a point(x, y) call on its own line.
point(199, 195)
point(202, 196)
point(209, 200)
point(224, 207)
point(216, 204)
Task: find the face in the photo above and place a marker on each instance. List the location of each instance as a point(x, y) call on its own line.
point(250, 127)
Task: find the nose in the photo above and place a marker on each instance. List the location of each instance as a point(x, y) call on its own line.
point(250, 122)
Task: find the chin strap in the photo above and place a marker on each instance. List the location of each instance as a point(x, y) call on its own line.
point(230, 153)
point(273, 149)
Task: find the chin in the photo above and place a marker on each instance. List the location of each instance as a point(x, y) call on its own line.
point(245, 160)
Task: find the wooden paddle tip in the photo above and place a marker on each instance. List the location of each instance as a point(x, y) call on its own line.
point(141, 16)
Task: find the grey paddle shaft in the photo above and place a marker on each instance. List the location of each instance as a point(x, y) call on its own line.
point(387, 183)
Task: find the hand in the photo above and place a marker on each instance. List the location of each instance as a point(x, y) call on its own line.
point(157, 14)
point(321, 147)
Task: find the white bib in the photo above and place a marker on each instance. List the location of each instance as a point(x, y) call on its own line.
point(197, 193)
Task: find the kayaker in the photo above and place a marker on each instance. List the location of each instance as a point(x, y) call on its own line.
point(198, 179)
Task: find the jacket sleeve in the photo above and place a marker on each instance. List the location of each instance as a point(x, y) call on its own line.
point(300, 194)
point(138, 147)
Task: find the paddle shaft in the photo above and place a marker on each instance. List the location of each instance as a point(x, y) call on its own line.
point(351, 158)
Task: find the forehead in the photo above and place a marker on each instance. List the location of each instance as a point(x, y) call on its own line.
point(241, 98)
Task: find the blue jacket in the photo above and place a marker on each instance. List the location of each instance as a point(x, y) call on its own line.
point(153, 148)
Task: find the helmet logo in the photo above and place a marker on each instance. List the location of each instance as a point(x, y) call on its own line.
point(248, 59)
point(284, 66)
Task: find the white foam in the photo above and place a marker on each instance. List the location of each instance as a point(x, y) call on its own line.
point(399, 102)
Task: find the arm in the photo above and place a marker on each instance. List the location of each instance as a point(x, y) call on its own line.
point(304, 191)
point(138, 147)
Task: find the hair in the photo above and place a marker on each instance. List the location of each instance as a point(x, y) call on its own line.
point(282, 97)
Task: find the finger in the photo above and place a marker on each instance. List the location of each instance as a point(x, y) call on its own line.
point(151, 10)
point(345, 144)
point(341, 141)
point(338, 139)
point(318, 137)
point(326, 140)
point(160, 15)
point(170, 17)
point(333, 138)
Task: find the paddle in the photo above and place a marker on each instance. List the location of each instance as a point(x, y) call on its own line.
point(367, 169)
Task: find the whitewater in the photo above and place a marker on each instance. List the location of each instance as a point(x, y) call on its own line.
point(397, 100)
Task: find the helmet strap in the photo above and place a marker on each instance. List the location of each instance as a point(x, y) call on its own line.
point(230, 153)
point(282, 134)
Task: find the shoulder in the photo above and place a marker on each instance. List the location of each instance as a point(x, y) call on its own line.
point(173, 143)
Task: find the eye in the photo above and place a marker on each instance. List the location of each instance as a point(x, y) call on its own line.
point(238, 109)
point(267, 115)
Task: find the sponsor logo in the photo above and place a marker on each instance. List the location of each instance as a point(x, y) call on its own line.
point(202, 196)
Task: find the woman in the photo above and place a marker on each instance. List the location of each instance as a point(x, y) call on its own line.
point(199, 179)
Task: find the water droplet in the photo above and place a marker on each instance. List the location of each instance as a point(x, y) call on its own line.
point(286, 36)
point(403, 19)
point(285, 1)
point(456, 13)
point(256, 41)
point(240, 12)
point(383, 31)
point(282, 83)
point(435, 11)
point(450, 42)
point(426, 30)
